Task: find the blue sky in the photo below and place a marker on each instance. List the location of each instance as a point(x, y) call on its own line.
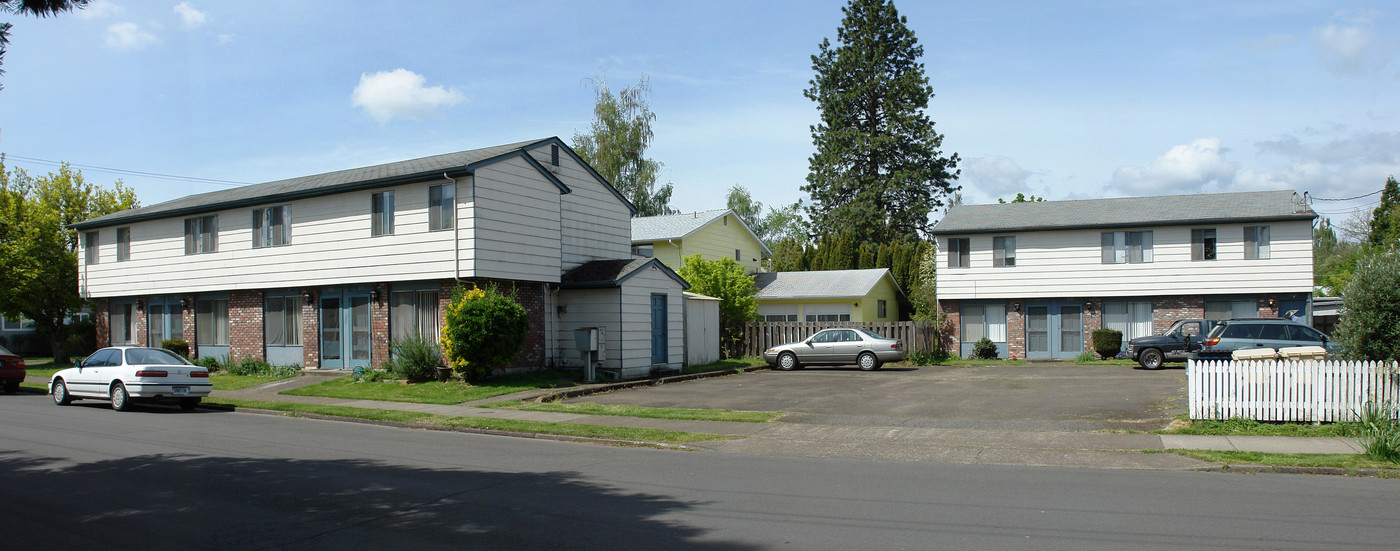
point(1064, 100)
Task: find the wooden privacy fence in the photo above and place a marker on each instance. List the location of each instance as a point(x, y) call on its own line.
point(760, 336)
point(1303, 391)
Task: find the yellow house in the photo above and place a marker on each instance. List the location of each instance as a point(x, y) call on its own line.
point(832, 295)
point(712, 234)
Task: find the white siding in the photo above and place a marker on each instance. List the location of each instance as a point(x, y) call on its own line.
point(595, 224)
point(590, 308)
point(1054, 264)
point(330, 244)
point(516, 223)
point(636, 320)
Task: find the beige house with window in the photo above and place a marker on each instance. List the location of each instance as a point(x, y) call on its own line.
point(828, 296)
point(712, 234)
point(1038, 278)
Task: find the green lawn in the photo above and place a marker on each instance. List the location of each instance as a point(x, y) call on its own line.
point(225, 381)
point(536, 427)
point(588, 408)
point(1249, 427)
point(451, 392)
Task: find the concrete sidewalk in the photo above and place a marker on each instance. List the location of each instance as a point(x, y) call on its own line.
point(1041, 448)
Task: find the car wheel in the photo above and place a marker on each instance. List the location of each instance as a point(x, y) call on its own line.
point(188, 403)
point(60, 393)
point(1151, 358)
point(868, 362)
point(787, 361)
point(121, 401)
point(11, 387)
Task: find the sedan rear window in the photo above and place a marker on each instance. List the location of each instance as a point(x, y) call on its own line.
point(3, 351)
point(870, 334)
point(1241, 331)
point(152, 356)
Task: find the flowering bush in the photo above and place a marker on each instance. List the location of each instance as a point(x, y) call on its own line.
point(482, 329)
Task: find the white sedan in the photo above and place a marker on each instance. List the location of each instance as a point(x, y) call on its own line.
point(124, 374)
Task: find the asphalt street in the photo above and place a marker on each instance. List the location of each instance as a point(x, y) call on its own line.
point(86, 476)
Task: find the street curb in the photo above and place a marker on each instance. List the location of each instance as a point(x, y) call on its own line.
point(625, 385)
point(1289, 469)
point(442, 428)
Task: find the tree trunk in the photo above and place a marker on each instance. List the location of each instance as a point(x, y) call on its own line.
point(56, 341)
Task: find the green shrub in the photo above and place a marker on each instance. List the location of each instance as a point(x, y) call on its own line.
point(1107, 342)
point(482, 329)
point(1379, 431)
point(256, 367)
point(1370, 328)
point(82, 338)
point(984, 349)
point(178, 346)
point(927, 357)
point(209, 362)
point(415, 358)
point(1085, 357)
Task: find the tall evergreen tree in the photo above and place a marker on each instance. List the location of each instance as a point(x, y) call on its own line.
point(616, 146)
point(878, 170)
point(1385, 220)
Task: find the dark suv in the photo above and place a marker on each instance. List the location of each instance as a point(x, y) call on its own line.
point(1175, 345)
point(1244, 334)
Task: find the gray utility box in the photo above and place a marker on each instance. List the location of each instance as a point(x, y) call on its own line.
point(586, 339)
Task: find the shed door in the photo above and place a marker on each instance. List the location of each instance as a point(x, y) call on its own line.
point(659, 348)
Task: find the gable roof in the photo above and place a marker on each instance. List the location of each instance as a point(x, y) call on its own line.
point(425, 169)
point(1201, 208)
point(601, 274)
point(820, 284)
point(650, 229)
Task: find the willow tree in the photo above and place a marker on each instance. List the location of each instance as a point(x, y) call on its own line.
point(616, 145)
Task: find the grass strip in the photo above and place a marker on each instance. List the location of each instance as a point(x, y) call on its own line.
point(512, 425)
point(225, 381)
point(1249, 427)
point(734, 363)
point(590, 408)
point(1343, 461)
point(447, 393)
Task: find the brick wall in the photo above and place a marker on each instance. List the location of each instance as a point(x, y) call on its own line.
point(1169, 310)
point(100, 312)
point(187, 321)
point(310, 333)
point(1093, 319)
point(531, 296)
point(953, 339)
point(1016, 328)
point(379, 324)
point(140, 324)
point(245, 325)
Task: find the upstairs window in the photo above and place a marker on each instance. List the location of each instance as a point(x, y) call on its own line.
point(123, 244)
point(442, 207)
point(643, 250)
point(1127, 247)
point(1203, 244)
point(201, 234)
point(1256, 242)
point(90, 247)
point(958, 255)
point(554, 155)
point(737, 256)
point(381, 209)
point(1004, 251)
point(272, 226)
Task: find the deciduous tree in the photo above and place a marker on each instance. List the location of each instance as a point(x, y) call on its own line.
point(1370, 327)
point(616, 145)
point(878, 170)
point(725, 280)
point(37, 8)
point(1385, 220)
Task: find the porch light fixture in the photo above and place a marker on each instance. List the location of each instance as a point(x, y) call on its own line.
point(1016, 307)
point(307, 295)
point(185, 303)
point(374, 294)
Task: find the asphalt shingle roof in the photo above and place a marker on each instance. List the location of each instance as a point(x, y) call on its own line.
point(1126, 212)
point(646, 229)
point(611, 273)
point(822, 284)
point(318, 184)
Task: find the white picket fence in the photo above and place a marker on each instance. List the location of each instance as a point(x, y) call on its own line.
point(1300, 391)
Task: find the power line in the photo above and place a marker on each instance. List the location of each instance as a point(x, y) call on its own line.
point(232, 183)
point(1348, 198)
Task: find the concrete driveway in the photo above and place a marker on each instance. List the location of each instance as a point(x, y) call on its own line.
point(1030, 397)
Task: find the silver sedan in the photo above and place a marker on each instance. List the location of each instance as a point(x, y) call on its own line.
point(839, 346)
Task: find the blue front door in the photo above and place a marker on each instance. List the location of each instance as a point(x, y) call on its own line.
point(1054, 331)
point(658, 329)
point(345, 329)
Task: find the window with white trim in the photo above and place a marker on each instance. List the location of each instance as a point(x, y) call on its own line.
point(272, 226)
point(1004, 251)
point(381, 212)
point(1127, 247)
point(1256, 242)
point(643, 250)
point(442, 207)
point(1203, 244)
point(123, 244)
point(201, 234)
point(958, 252)
point(90, 247)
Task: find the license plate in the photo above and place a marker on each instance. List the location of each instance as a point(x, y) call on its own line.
point(179, 390)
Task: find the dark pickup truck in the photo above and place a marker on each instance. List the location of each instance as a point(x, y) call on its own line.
point(1176, 345)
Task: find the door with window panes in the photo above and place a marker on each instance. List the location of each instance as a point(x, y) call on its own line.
point(1054, 330)
point(345, 328)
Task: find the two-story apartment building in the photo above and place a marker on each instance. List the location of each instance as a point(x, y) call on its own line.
point(325, 270)
point(1037, 278)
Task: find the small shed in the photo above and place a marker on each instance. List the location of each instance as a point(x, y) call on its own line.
point(639, 307)
point(701, 329)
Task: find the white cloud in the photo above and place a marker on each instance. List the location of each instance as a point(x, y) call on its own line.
point(129, 36)
point(1349, 50)
point(400, 94)
point(98, 10)
point(1190, 168)
point(994, 176)
point(1344, 166)
point(189, 17)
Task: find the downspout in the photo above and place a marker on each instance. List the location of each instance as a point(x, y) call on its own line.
point(456, 233)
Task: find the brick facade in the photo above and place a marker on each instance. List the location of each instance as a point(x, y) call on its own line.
point(100, 313)
point(379, 324)
point(187, 321)
point(245, 325)
point(310, 331)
